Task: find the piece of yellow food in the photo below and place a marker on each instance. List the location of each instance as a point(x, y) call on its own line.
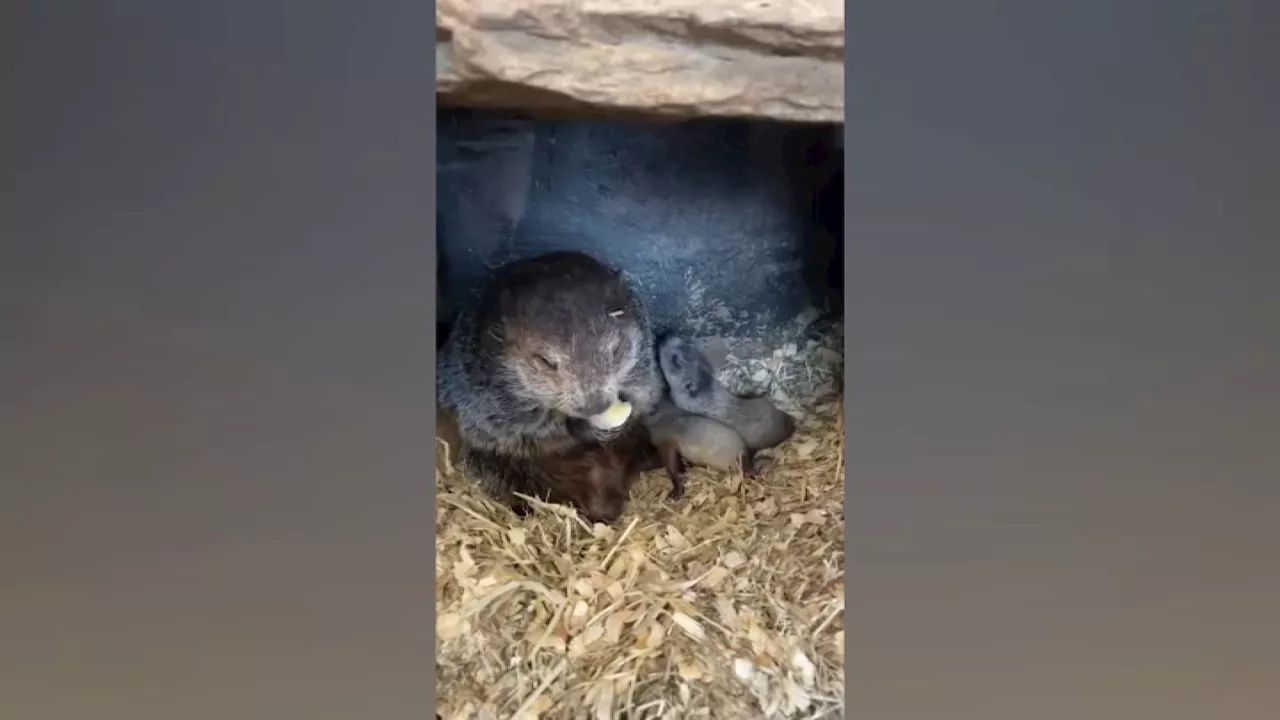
point(614, 417)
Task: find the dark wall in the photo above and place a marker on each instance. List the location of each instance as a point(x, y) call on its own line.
point(716, 221)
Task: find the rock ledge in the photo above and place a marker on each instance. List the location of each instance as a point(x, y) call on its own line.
point(777, 59)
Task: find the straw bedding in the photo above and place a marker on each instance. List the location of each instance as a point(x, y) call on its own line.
point(728, 603)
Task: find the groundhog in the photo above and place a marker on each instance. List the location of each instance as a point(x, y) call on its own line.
point(556, 354)
point(694, 389)
point(681, 436)
point(596, 478)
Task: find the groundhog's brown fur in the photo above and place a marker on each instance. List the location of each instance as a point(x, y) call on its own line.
point(596, 478)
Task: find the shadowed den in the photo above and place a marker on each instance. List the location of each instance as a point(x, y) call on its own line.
point(646, 250)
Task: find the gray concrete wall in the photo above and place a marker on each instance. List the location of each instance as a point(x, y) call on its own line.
point(716, 221)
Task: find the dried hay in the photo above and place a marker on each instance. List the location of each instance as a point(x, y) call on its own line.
point(726, 604)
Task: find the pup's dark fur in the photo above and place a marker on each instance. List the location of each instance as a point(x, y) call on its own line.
point(694, 389)
point(596, 478)
point(553, 340)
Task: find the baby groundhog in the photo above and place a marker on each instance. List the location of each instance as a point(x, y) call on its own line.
point(556, 354)
point(694, 389)
point(683, 436)
point(596, 478)
point(593, 477)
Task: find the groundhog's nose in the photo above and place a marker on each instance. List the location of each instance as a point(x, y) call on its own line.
point(597, 405)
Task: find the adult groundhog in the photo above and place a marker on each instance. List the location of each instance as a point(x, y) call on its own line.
point(556, 353)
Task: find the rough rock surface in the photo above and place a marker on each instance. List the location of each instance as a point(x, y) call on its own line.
point(779, 59)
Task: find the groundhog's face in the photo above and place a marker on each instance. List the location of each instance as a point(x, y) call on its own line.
point(687, 371)
point(578, 373)
point(573, 354)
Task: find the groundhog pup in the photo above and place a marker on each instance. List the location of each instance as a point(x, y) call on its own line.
point(681, 436)
point(595, 478)
point(694, 389)
point(556, 354)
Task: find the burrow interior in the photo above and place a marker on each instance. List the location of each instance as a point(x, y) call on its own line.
point(731, 230)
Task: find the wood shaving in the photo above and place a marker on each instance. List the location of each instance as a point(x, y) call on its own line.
point(728, 603)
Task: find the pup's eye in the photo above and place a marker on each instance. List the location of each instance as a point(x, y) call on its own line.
point(544, 362)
